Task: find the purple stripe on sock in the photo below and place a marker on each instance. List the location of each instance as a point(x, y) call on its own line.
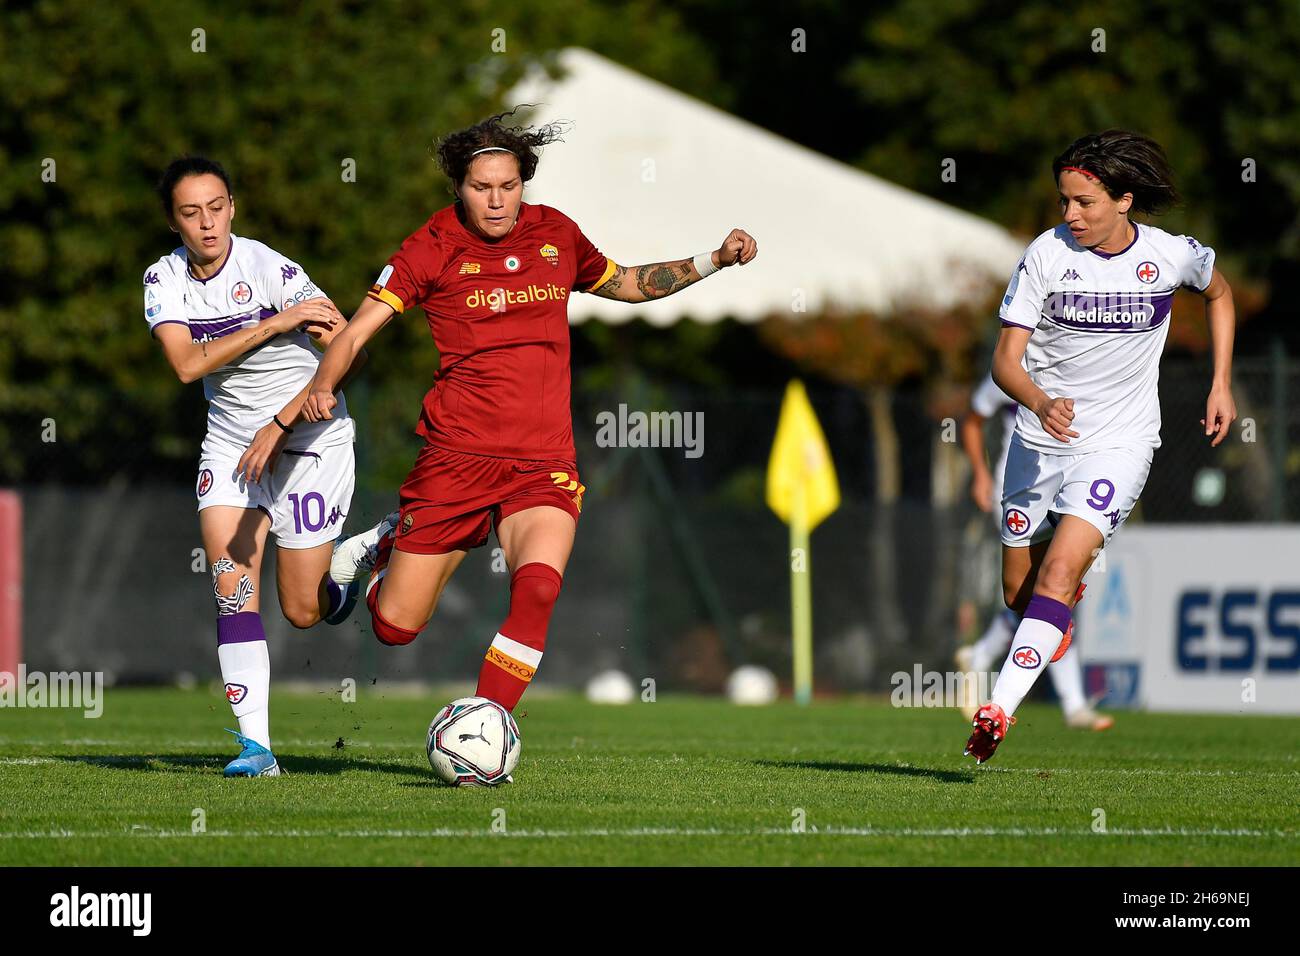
point(240, 628)
point(1042, 608)
point(334, 593)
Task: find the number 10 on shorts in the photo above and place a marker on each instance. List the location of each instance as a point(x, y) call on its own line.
point(302, 512)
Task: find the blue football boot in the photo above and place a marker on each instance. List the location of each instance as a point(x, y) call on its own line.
point(253, 761)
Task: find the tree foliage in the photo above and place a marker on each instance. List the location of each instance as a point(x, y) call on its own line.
point(99, 97)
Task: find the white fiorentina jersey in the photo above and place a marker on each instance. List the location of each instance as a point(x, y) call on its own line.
point(989, 401)
point(254, 283)
point(1099, 324)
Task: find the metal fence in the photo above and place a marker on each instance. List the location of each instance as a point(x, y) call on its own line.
point(679, 573)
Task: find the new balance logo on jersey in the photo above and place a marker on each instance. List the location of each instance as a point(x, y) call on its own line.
point(287, 272)
point(1071, 276)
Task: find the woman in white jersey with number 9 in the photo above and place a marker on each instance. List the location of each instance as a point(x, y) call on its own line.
point(1085, 320)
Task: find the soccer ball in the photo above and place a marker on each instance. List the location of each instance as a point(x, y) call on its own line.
point(473, 742)
point(610, 687)
point(752, 685)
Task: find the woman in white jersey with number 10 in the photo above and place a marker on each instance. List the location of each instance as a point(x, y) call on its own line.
point(1085, 320)
point(238, 315)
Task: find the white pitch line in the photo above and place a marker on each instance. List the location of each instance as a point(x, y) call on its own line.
point(907, 832)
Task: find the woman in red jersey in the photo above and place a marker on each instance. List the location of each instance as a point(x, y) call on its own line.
point(493, 275)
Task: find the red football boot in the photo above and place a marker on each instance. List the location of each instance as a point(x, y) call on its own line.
point(991, 726)
point(1069, 630)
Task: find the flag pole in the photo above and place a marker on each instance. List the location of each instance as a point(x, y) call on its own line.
point(801, 597)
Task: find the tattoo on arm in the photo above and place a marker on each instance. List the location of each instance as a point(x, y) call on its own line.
point(653, 281)
point(613, 286)
point(663, 278)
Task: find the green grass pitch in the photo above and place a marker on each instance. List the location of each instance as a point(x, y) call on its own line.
point(680, 781)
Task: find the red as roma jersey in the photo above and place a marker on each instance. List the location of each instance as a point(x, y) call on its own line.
point(499, 316)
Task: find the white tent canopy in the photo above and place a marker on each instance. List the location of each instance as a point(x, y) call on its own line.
point(650, 174)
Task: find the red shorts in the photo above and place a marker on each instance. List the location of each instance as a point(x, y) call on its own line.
point(451, 500)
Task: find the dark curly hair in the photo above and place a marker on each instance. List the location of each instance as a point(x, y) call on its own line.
point(455, 151)
point(1124, 162)
point(184, 166)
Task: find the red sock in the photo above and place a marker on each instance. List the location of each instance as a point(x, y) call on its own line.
point(517, 649)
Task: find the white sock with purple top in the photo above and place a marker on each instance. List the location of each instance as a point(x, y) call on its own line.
point(1037, 638)
point(246, 670)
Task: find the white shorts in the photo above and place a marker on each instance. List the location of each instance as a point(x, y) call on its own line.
point(1101, 487)
point(307, 496)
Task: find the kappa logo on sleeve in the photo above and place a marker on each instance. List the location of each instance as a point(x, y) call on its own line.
point(287, 272)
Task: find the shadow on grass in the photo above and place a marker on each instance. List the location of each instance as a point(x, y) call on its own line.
point(843, 766)
point(292, 765)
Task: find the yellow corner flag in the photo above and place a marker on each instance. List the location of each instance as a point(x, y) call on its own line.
point(800, 472)
point(803, 491)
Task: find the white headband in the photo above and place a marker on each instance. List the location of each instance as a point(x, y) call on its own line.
point(488, 149)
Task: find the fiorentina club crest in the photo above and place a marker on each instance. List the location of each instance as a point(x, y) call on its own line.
point(1148, 272)
point(205, 482)
point(1025, 657)
point(241, 293)
point(1017, 521)
point(236, 692)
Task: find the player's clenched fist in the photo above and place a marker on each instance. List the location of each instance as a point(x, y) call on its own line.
point(318, 405)
point(737, 249)
point(1056, 414)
